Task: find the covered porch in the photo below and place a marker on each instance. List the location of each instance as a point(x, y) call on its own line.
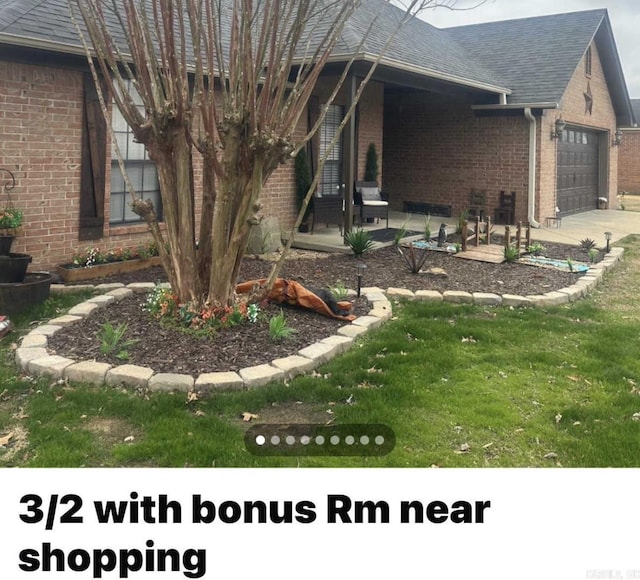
point(592, 224)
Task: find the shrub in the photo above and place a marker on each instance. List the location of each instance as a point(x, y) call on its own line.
point(587, 244)
point(112, 340)
point(462, 219)
point(339, 291)
point(536, 249)
point(593, 255)
point(371, 164)
point(511, 254)
point(278, 328)
point(427, 227)
point(359, 241)
point(401, 233)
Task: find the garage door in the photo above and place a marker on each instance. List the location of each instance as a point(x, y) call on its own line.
point(577, 171)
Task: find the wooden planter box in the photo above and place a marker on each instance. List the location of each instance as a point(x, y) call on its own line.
point(70, 274)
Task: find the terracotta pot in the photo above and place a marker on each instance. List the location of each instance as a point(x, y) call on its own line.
point(69, 273)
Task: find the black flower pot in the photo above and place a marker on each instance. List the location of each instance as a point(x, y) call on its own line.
point(5, 244)
point(13, 268)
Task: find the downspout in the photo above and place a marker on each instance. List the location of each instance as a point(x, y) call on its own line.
point(533, 143)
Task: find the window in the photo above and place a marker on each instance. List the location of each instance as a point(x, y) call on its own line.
point(332, 172)
point(140, 169)
point(587, 62)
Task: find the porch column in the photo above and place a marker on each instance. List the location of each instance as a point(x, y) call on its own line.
point(349, 173)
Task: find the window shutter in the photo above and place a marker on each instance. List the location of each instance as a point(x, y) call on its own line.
point(93, 165)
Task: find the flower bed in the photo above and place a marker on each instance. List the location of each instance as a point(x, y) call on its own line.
point(92, 263)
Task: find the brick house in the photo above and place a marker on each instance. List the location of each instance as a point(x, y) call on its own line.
point(629, 155)
point(457, 115)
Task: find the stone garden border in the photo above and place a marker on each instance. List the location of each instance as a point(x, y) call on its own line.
point(32, 354)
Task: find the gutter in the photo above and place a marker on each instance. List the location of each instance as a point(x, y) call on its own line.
point(512, 106)
point(423, 72)
point(533, 143)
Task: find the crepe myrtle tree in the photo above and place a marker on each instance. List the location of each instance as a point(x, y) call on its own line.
point(226, 80)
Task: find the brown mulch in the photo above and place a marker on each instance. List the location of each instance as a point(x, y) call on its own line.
point(166, 349)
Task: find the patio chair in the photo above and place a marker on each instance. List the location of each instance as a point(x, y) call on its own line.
point(371, 202)
point(328, 210)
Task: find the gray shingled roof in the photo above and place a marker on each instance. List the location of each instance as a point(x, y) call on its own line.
point(536, 57)
point(418, 45)
point(635, 105)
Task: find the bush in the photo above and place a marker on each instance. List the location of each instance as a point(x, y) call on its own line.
point(511, 254)
point(359, 241)
point(587, 244)
point(278, 328)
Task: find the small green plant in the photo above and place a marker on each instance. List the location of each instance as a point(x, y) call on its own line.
point(570, 264)
point(278, 328)
point(593, 255)
point(339, 291)
point(511, 254)
point(458, 247)
point(10, 218)
point(401, 233)
point(536, 249)
point(112, 340)
point(587, 244)
point(462, 220)
point(427, 227)
point(359, 241)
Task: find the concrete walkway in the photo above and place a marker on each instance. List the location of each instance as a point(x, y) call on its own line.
point(572, 229)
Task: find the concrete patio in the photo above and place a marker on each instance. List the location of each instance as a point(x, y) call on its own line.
point(592, 224)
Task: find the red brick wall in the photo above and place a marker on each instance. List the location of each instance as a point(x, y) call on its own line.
point(573, 111)
point(437, 150)
point(40, 142)
point(629, 162)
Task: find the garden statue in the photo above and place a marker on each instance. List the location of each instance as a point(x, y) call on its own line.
point(442, 235)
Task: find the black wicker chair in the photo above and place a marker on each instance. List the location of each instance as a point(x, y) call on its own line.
point(328, 210)
point(371, 201)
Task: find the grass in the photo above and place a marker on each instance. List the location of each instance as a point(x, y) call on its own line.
point(461, 386)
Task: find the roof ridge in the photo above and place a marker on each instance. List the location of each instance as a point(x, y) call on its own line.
point(523, 18)
point(16, 9)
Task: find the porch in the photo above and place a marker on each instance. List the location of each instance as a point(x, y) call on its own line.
point(592, 224)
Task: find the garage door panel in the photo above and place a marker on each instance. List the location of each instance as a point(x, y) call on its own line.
point(577, 171)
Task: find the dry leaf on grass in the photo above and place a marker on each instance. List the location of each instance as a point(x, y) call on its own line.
point(246, 416)
point(573, 378)
point(191, 397)
point(4, 441)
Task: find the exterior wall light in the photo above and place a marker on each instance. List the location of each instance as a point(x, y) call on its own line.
point(617, 138)
point(559, 127)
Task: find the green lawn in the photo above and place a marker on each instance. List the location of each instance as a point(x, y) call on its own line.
point(461, 386)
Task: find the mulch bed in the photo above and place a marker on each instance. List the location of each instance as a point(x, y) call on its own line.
point(166, 349)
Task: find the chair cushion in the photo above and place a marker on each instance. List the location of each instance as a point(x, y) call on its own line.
point(370, 194)
point(376, 203)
